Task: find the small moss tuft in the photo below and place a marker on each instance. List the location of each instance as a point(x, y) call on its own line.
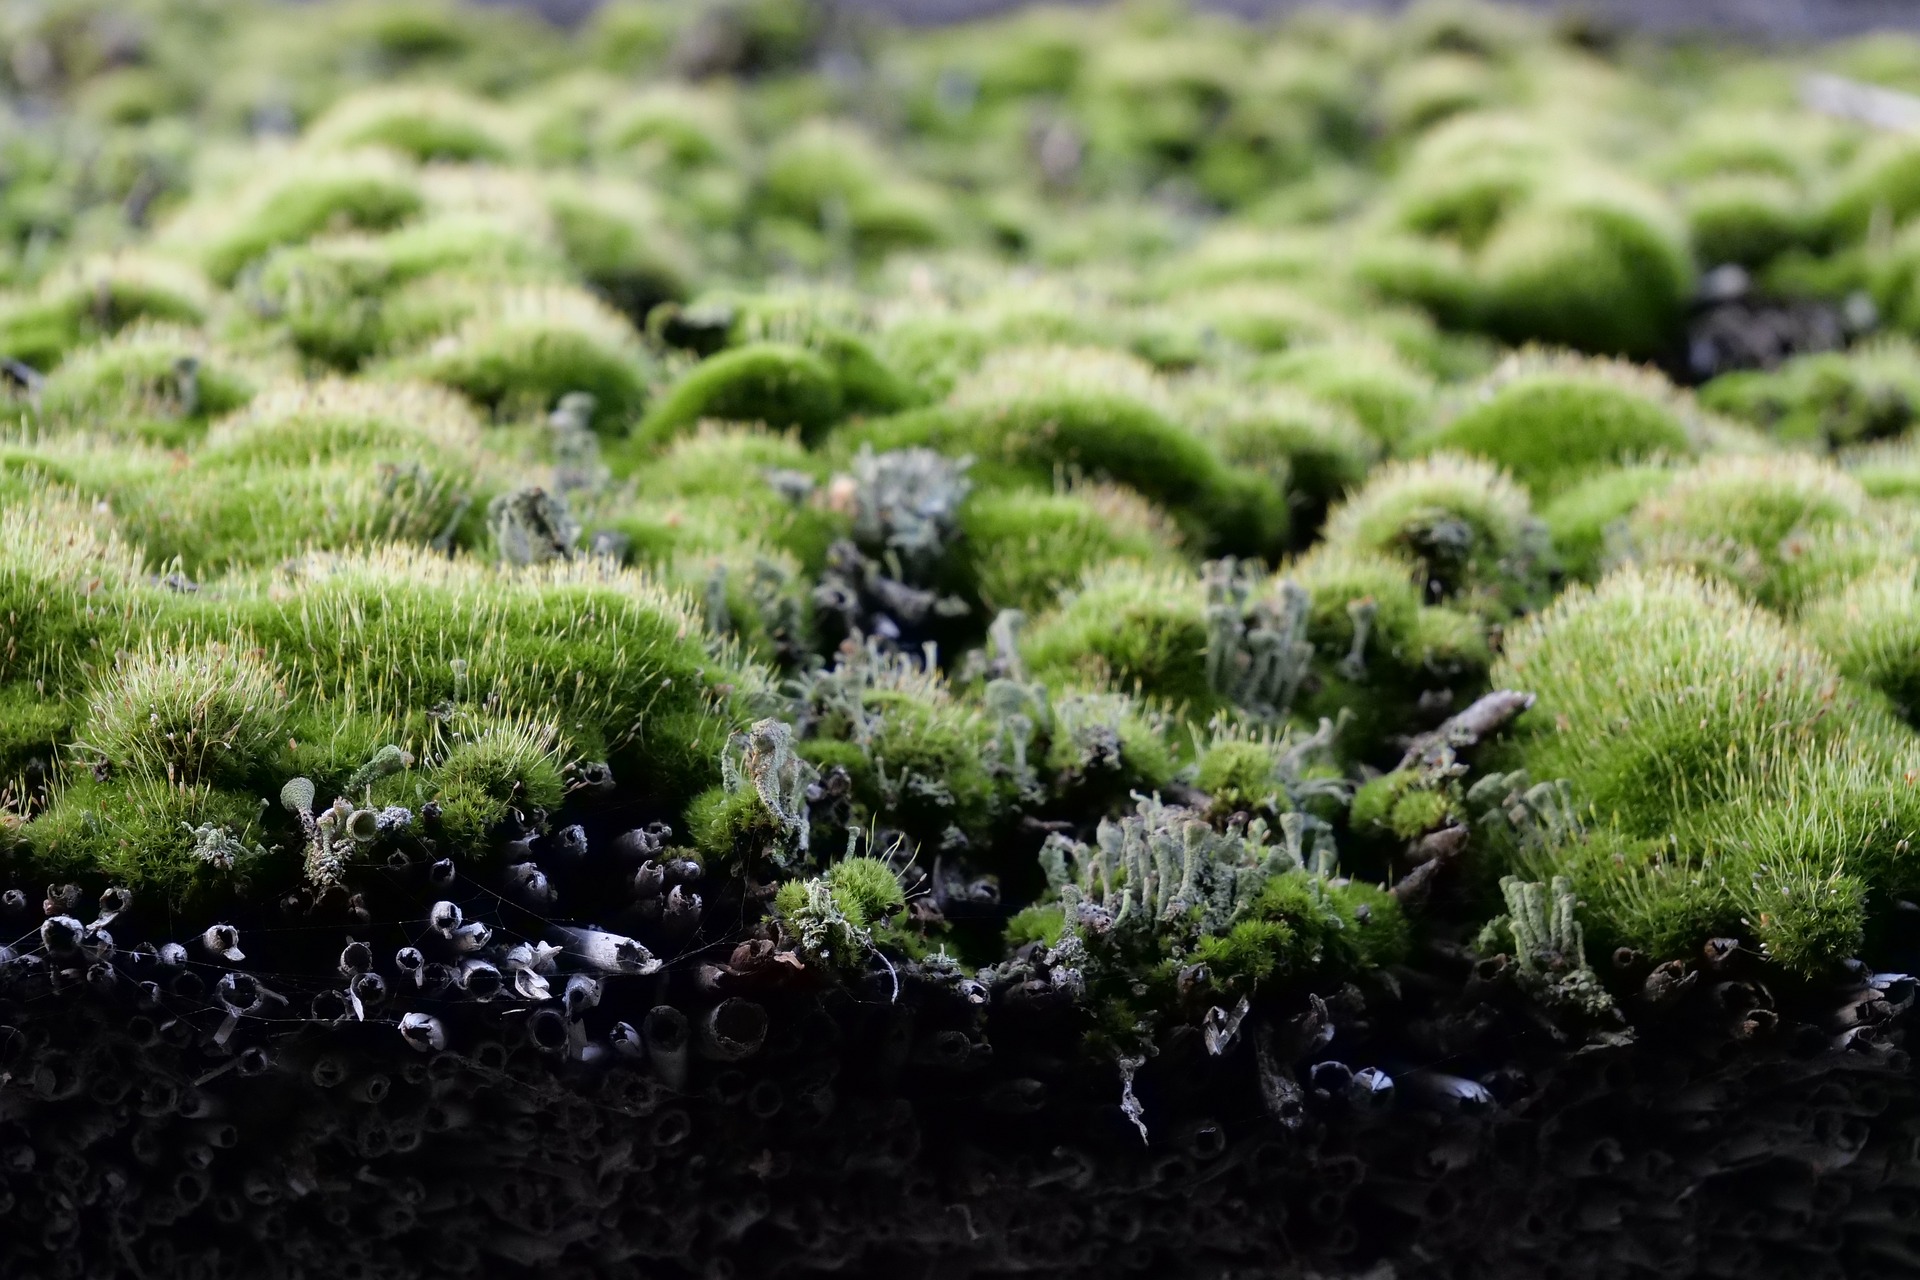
point(1552, 426)
point(771, 383)
point(206, 714)
point(1464, 525)
point(492, 770)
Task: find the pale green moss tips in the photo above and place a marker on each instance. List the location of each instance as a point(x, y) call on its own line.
point(1029, 414)
point(1026, 547)
point(1750, 521)
point(1686, 716)
point(520, 350)
point(1467, 528)
point(490, 770)
point(774, 384)
point(1829, 400)
point(365, 191)
point(426, 124)
point(1550, 424)
point(614, 662)
point(98, 298)
point(833, 182)
point(1871, 628)
point(186, 715)
point(1133, 628)
point(158, 384)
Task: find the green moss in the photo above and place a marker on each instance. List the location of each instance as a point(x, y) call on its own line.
point(533, 345)
point(673, 127)
point(867, 383)
point(1646, 682)
point(1134, 628)
point(1301, 924)
point(1681, 712)
point(70, 591)
point(33, 726)
point(331, 742)
point(624, 250)
point(134, 96)
point(1249, 953)
point(1553, 427)
point(1747, 521)
point(1497, 223)
point(155, 384)
point(425, 124)
point(712, 487)
point(480, 243)
point(866, 889)
point(839, 917)
point(1239, 775)
point(1465, 177)
point(96, 299)
point(1181, 283)
point(1888, 270)
point(327, 295)
point(922, 761)
point(1404, 803)
point(1027, 415)
point(1312, 452)
point(1025, 547)
point(1262, 318)
point(833, 178)
point(1889, 471)
point(1466, 527)
point(937, 348)
point(631, 35)
point(1871, 629)
point(492, 769)
point(1882, 181)
point(1828, 400)
point(1588, 521)
point(1598, 266)
point(748, 591)
point(1375, 933)
point(243, 511)
point(1436, 275)
point(1037, 923)
point(1232, 254)
point(1104, 746)
point(1384, 394)
point(1721, 142)
point(1748, 219)
point(608, 657)
point(1422, 92)
point(339, 420)
point(1377, 645)
point(359, 192)
point(732, 828)
point(183, 716)
point(775, 384)
point(141, 833)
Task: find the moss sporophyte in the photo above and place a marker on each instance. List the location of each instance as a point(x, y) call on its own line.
point(730, 641)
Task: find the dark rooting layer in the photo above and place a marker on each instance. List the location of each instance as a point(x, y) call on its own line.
point(368, 1087)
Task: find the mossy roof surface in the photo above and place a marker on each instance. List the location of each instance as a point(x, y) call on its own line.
point(1053, 463)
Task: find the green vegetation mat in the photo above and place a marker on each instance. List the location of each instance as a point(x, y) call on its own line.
point(737, 644)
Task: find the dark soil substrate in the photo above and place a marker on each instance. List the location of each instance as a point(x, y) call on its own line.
point(1435, 1119)
point(1734, 326)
